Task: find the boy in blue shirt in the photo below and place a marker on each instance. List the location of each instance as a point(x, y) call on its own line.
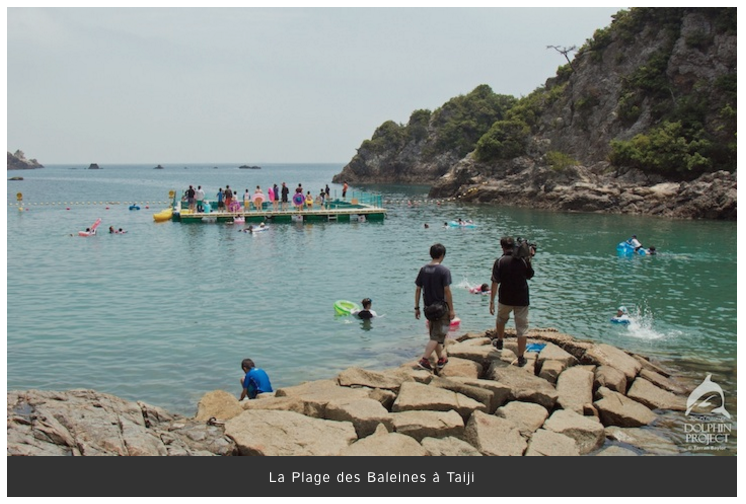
point(255, 381)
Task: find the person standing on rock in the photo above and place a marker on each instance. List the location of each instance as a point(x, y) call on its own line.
point(254, 382)
point(433, 282)
point(511, 274)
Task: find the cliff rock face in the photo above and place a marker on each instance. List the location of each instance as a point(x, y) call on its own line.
point(18, 161)
point(651, 67)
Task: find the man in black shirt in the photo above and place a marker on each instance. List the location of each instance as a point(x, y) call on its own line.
point(434, 285)
point(511, 273)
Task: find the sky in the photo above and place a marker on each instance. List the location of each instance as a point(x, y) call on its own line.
point(259, 85)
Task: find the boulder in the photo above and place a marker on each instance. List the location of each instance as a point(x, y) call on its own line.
point(90, 423)
point(552, 352)
point(524, 386)
point(373, 379)
point(500, 392)
point(268, 432)
point(663, 381)
point(650, 366)
point(492, 435)
point(525, 416)
point(461, 367)
point(481, 354)
point(483, 395)
point(416, 396)
point(643, 439)
point(611, 378)
point(218, 404)
point(587, 432)
point(433, 424)
point(607, 355)
point(310, 398)
point(617, 409)
point(551, 369)
point(575, 389)
point(365, 415)
point(547, 443)
point(385, 397)
point(449, 447)
point(654, 397)
point(385, 444)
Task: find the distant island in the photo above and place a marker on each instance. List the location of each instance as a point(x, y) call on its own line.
point(159, 167)
point(247, 167)
point(94, 166)
point(18, 161)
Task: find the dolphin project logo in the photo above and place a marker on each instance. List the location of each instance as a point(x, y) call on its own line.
point(703, 394)
point(708, 425)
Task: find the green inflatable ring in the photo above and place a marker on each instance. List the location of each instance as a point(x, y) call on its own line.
point(343, 307)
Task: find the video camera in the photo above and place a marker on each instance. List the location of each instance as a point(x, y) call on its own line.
point(524, 249)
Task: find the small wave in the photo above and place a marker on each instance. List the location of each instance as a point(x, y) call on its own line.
point(642, 326)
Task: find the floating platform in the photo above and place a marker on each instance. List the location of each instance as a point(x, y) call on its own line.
point(335, 211)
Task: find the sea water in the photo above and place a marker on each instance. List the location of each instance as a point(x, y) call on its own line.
point(167, 311)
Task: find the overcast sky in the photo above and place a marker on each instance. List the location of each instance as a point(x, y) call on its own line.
point(254, 85)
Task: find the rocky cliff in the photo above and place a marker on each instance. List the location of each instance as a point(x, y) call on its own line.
point(18, 161)
point(641, 121)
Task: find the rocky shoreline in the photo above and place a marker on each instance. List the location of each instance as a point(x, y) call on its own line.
point(522, 182)
point(573, 397)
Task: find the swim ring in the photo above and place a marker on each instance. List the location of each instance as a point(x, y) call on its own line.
point(468, 225)
point(299, 199)
point(134, 207)
point(343, 307)
point(620, 320)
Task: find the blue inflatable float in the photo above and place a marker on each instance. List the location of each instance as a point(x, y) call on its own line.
point(625, 248)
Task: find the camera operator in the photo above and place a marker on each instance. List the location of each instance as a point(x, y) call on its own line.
point(511, 272)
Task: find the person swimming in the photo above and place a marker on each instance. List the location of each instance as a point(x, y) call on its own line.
point(366, 312)
point(481, 289)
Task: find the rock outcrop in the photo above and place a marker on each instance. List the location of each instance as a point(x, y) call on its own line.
point(650, 68)
point(506, 410)
point(18, 161)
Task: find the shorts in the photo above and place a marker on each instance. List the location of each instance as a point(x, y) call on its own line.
point(521, 317)
point(439, 328)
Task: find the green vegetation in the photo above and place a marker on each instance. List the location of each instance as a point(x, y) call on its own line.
point(559, 161)
point(504, 140)
point(461, 121)
point(665, 150)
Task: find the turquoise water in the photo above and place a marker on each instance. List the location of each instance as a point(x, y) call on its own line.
point(167, 311)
